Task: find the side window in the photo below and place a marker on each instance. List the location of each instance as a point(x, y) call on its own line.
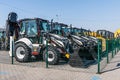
point(22, 28)
point(44, 26)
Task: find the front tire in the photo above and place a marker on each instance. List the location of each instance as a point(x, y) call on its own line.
point(22, 52)
point(53, 56)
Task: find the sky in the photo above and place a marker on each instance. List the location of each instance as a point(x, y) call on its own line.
point(88, 14)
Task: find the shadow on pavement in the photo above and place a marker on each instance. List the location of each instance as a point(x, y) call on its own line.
point(117, 67)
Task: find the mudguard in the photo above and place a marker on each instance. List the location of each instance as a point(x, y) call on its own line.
point(25, 41)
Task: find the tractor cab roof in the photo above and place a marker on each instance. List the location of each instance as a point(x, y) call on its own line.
point(25, 19)
point(75, 28)
point(62, 24)
point(101, 30)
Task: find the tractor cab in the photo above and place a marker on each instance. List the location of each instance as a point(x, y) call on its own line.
point(33, 29)
point(56, 28)
point(102, 33)
point(76, 31)
point(32, 41)
point(60, 29)
point(80, 32)
point(105, 34)
point(65, 30)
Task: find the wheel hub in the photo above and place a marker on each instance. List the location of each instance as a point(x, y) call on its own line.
point(20, 52)
point(50, 56)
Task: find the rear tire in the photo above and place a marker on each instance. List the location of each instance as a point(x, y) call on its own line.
point(53, 56)
point(22, 52)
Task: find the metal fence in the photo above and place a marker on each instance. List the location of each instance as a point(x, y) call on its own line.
point(112, 48)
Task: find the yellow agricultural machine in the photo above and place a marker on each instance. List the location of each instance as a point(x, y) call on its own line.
point(117, 33)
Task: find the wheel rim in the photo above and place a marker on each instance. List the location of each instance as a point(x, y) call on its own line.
point(20, 52)
point(51, 56)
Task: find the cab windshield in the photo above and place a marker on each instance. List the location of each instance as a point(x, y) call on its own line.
point(66, 30)
point(74, 31)
point(29, 27)
point(56, 29)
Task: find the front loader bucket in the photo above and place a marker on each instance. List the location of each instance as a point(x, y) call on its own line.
point(81, 58)
point(88, 54)
point(76, 61)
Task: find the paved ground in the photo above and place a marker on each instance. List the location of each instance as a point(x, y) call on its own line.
point(17, 72)
point(4, 58)
point(113, 64)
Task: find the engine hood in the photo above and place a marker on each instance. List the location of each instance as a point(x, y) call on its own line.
point(60, 40)
point(78, 38)
point(57, 36)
